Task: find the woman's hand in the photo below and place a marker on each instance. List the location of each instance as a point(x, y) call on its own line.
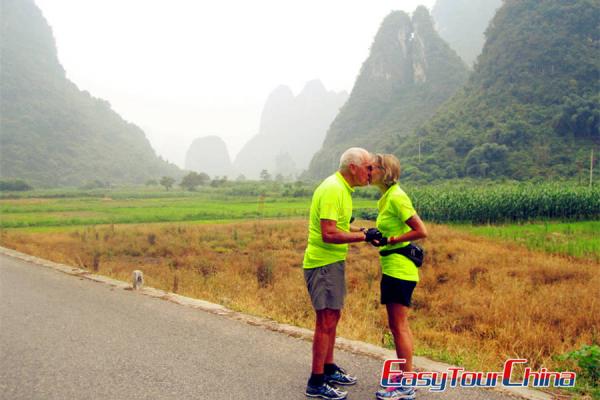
point(380, 242)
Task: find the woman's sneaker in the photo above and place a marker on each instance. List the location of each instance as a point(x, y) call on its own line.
point(399, 393)
point(325, 392)
point(341, 377)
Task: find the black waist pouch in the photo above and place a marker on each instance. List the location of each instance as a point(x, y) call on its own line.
point(413, 252)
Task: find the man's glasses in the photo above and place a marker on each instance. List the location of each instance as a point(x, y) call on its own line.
point(368, 167)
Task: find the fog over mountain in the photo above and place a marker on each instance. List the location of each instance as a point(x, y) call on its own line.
point(209, 155)
point(462, 23)
point(409, 73)
point(52, 133)
point(185, 69)
point(292, 129)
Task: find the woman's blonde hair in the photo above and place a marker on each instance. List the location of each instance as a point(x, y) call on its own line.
point(391, 168)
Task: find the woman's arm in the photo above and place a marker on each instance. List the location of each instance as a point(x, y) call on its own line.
point(418, 231)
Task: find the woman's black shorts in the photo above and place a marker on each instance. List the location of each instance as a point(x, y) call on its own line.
point(394, 290)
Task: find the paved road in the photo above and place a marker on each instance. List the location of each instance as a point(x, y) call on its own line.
point(64, 337)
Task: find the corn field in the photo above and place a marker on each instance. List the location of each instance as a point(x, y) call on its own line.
point(502, 203)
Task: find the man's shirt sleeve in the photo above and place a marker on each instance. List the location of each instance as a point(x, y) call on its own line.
point(329, 205)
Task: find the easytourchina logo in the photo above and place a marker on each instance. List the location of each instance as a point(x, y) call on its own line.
point(392, 376)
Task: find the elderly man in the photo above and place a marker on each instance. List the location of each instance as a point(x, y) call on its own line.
point(329, 233)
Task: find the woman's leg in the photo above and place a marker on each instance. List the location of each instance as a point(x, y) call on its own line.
point(403, 339)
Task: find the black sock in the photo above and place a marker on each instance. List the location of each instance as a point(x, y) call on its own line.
point(330, 369)
point(316, 379)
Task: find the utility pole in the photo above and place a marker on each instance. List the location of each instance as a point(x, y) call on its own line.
point(591, 165)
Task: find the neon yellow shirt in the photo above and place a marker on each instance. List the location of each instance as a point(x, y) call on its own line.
point(394, 209)
point(332, 200)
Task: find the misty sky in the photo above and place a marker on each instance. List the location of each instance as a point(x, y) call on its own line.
point(182, 69)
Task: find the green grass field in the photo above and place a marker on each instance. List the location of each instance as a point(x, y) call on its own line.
point(577, 239)
point(30, 213)
point(94, 211)
point(56, 210)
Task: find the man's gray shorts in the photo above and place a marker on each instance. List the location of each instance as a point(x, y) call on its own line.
point(327, 286)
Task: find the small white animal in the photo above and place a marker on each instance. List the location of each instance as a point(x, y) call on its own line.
point(138, 279)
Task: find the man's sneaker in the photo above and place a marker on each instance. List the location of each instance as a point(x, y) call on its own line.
point(325, 392)
point(400, 393)
point(340, 377)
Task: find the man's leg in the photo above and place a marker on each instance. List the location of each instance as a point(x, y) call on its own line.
point(324, 330)
point(331, 348)
point(324, 339)
point(327, 290)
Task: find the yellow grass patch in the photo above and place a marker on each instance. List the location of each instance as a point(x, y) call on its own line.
point(478, 302)
point(25, 202)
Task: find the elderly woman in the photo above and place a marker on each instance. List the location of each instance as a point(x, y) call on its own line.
point(400, 224)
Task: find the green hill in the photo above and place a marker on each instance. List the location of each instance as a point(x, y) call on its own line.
point(409, 73)
point(51, 133)
point(531, 106)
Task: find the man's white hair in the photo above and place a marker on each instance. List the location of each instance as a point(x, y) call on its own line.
point(354, 155)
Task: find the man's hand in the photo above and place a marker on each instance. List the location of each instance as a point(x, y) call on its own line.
point(373, 234)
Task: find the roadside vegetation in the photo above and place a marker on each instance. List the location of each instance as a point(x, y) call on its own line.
point(479, 301)
point(576, 239)
point(514, 262)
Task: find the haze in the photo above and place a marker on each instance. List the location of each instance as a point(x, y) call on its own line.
point(185, 69)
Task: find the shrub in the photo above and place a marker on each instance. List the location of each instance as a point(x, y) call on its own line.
point(588, 361)
point(264, 272)
point(16, 185)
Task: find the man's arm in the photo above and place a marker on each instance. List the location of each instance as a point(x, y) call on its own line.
point(357, 229)
point(331, 234)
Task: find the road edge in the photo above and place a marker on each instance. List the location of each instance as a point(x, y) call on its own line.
point(352, 346)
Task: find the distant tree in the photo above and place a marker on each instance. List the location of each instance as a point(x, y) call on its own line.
point(241, 178)
point(151, 182)
point(167, 182)
point(265, 175)
point(218, 181)
point(579, 116)
point(193, 180)
point(96, 184)
point(485, 159)
point(16, 185)
point(279, 177)
point(203, 178)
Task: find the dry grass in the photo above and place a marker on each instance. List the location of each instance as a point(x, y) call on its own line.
point(478, 303)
